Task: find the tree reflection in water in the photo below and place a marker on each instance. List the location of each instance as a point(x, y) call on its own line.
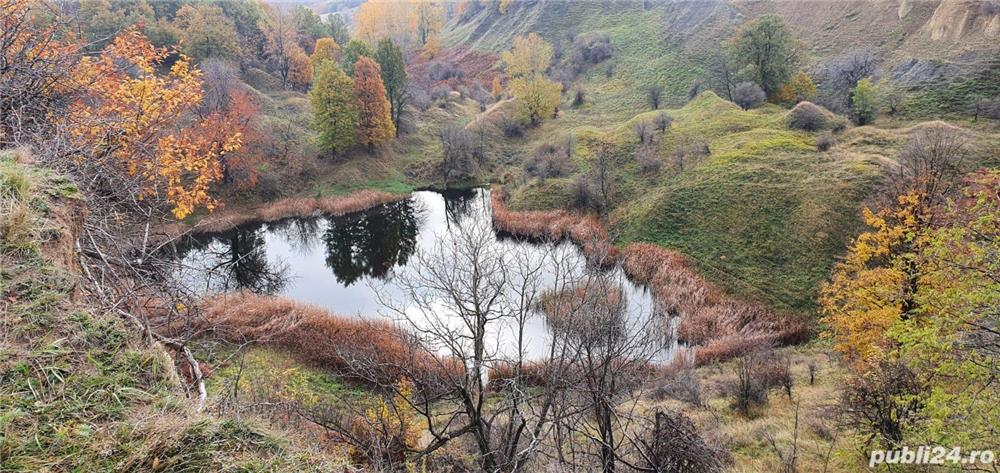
point(237, 260)
point(459, 203)
point(371, 243)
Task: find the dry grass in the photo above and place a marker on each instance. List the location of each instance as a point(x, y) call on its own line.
point(317, 337)
point(555, 225)
point(719, 326)
point(293, 207)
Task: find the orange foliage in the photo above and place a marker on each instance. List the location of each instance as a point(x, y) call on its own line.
point(300, 68)
point(137, 120)
point(374, 119)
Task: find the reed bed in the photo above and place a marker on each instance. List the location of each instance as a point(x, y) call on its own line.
point(372, 351)
point(555, 225)
point(714, 324)
point(290, 208)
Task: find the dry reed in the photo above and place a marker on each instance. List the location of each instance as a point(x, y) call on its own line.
point(715, 325)
point(372, 351)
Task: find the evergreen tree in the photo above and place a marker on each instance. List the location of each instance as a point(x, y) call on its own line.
point(390, 59)
point(354, 50)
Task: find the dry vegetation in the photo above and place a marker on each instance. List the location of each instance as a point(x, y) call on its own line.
point(292, 208)
point(719, 325)
point(313, 335)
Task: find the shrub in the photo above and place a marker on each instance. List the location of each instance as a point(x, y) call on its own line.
point(643, 131)
point(674, 445)
point(440, 92)
point(444, 71)
point(510, 124)
point(420, 99)
point(591, 48)
point(748, 95)
point(809, 117)
point(825, 141)
point(459, 154)
point(649, 162)
point(550, 161)
point(579, 97)
point(584, 194)
point(654, 94)
point(662, 121)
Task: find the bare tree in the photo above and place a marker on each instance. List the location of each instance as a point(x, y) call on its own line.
point(654, 94)
point(674, 445)
point(930, 164)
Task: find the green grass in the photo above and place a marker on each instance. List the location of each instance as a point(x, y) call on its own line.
point(764, 215)
point(81, 391)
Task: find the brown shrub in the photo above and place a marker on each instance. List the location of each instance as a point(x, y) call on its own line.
point(555, 225)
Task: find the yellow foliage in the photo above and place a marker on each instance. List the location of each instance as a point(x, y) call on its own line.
point(800, 88)
point(326, 48)
point(530, 56)
point(411, 25)
point(136, 120)
point(870, 289)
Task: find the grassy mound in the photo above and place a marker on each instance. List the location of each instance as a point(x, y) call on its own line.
point(80, 391)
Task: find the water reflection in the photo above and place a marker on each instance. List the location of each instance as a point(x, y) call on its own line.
point(236, 260)
point(346, 264)
point(371, 243)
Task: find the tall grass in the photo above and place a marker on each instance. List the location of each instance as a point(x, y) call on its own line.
point(555, 225)
point(369, 350)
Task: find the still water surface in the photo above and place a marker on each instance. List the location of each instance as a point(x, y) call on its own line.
point(344, 263)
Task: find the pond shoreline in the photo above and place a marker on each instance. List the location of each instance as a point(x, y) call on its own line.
point(716, 325)
point(281, 209)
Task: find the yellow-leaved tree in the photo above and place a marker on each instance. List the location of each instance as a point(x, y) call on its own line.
point(526, 64)
point(138, 127)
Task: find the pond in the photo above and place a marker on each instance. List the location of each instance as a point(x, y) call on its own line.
point(345, 263)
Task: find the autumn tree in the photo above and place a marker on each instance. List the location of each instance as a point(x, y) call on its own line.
point(798, 89)
point(393, 67)
point(283, 51)
point(300, 69)
point(374, 113)
point(410, 25)
point(352, 52)
point(326, 48)
point(34, 68)
point(206, 32)
point(335, 114)
point(309, 27)
point(526, 64)
point(864, 102)
point(134, 125)
point(769, 51)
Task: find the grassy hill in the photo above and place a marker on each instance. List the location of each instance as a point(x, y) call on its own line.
point(764, 214)
point(941, 53)
point(80, 390)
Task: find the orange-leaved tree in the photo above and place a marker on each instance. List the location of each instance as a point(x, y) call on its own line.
point(325, 48)
point(138, 129)
point(374, 116)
